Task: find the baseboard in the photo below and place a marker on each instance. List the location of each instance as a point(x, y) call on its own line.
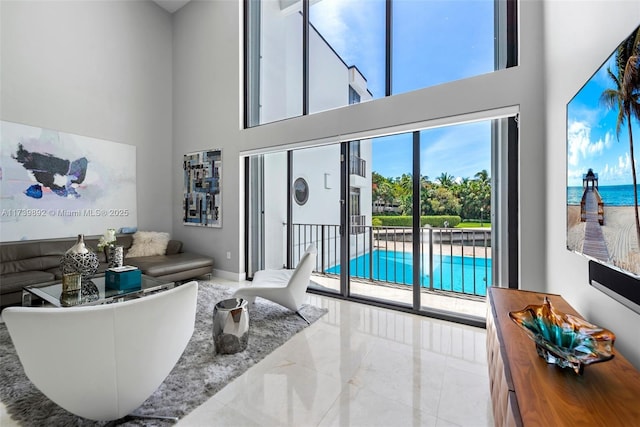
point(229, 275)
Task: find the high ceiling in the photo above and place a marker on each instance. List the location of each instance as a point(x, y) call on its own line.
point(171, 5)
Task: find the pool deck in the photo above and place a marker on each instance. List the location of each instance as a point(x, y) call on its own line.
point(475, 306)
point(444, 249)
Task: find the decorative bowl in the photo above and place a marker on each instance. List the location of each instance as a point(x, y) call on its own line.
point(563, 339)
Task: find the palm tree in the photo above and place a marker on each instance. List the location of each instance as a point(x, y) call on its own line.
point(445, 179)
point(626, 98)
point(482, 176)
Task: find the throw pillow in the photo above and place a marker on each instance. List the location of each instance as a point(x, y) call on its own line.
point(148, 243)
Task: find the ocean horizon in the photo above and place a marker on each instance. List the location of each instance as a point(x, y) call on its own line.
point(612, 195)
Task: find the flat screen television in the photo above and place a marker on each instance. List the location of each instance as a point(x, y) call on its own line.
point(603, 128)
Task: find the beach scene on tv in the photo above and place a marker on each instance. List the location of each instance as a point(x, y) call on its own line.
point(603, 127)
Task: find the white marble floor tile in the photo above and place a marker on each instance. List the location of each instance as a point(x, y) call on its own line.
point(288, 395)
point(360, 407)
point(407, 378)
point(332, 352)
point(465, 399)
point(216, 414)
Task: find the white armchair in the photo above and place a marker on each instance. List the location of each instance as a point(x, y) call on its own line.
point(285, 287)
point(102, 362)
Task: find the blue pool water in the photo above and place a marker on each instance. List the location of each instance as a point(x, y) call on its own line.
point(450, 273)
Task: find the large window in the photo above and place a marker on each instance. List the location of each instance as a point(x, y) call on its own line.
point(307, 56)
point(436, 42)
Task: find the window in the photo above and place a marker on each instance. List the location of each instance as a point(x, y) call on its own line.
point(357, 219)
point(301, 191)
point(357, 165)
point(355, 201)
point(436, 42)
point(354, 97)
point(306, 56)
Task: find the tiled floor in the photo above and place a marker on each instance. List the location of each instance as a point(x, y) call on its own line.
point(359, 366)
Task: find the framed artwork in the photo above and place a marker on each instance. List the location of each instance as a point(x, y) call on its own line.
point(55, 184)
point(202, 203)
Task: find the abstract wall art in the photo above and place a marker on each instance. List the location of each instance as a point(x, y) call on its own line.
point(202, 203)
point(55, 184)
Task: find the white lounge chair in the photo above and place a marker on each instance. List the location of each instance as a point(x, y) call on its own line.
point(102, 362)
point(285, 287)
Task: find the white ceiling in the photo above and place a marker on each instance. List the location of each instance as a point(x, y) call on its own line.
point(171, 5)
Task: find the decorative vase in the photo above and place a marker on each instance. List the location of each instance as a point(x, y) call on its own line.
point(89, 292)
point(80, 259)
point(115, 255)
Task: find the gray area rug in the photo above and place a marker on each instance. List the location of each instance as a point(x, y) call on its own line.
point(197, 376)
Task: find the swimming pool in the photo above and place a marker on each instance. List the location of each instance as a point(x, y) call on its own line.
point(450, 273)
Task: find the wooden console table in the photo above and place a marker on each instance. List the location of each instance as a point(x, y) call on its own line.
point(526, 391)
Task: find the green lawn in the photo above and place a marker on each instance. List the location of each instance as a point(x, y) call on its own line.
point(473, 225)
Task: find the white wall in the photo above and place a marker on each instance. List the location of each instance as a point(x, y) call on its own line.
point(579, 36)
point(100, 69)
point(207, 113)
point(323, 205)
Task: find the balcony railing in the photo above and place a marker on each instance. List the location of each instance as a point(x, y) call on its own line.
point(357, 224)
point(450, 260)
point(357, 166)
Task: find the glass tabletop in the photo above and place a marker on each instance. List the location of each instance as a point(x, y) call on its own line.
point(92, 292)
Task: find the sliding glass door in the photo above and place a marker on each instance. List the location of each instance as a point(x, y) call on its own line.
point(266, 206)
point(380, 249)
point(455, 206)
point(413, 220)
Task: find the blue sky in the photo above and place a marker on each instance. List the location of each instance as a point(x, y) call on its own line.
point(460, 150)
point(434, 42)
point(591, 135)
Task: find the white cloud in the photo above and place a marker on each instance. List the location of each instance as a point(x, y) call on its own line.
point(620, 171)
point(580, 144)
point(330, 21)
point(624, 162)
point(574, 176)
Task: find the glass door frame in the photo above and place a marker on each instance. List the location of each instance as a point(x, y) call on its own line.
point(508, 169)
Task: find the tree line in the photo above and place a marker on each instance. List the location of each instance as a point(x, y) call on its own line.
point(469, 198)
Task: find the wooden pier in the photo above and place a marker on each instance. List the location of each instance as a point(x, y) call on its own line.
point(593, 214)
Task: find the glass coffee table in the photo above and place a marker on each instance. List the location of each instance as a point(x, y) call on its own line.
point(92, 292)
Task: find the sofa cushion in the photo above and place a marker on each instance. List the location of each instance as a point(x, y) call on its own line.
point(19, 250)
point(174, 247)
point(12, 282)
point(30, 264)
point(148, 243)
point(162, 265)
